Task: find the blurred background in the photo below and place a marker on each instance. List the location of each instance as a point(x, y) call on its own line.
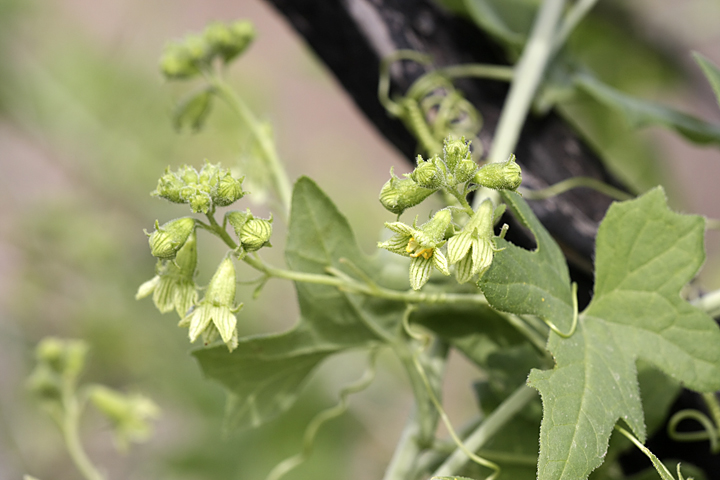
point(85, 132)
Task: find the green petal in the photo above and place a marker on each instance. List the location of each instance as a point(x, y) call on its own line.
point(185, 297)
point(464, 270)
point(440, 262)
point(199, 321)
point(164, 295)
point(396, 244)
point(225, 322)
point(458, 247)
point(482, 256)
point(401, 228)
point(147, 288)
point(420, 269)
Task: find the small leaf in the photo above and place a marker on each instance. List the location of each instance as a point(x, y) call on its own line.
point(712, 73)
point(524, 282)
point(192, 110)
point(645, 255)
point(641, 113)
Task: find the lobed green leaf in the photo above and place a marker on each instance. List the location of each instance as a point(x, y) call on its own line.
point(645, 255)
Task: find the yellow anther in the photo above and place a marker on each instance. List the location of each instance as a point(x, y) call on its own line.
point(412, 249)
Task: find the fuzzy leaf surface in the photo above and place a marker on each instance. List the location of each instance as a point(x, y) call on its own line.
point(265, 372)
point(645, 255)
point(524, 282)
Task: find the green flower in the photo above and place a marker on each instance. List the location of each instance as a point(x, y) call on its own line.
point(472, 249)
point(422, 244)
point(174, 286)
point(216, 314)
point(128, 414)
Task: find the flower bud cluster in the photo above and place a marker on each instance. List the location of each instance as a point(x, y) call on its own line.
point(210, 187)
point(455, 167)
point(189, 56)
point(59, 363)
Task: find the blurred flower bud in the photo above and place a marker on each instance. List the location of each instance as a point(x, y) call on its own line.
point(165, 241)
point(397, 194)
point(129, 414)
point(169, 187)
point(500, 176)
point(229, 41)
point(176, 62)
point(45, 384)
point(198, 49)
point(188, 175)
point(454, 151)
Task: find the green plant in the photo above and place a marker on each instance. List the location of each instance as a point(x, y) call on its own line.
point(510, 310)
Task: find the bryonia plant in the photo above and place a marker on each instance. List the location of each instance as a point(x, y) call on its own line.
point(512, 312)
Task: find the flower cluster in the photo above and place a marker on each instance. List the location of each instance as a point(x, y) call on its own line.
point(175, 245)
point(470, 247)
point(196, 52)
point(204, 190)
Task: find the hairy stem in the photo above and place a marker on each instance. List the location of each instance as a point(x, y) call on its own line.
point(267, 146)
point(489, 427)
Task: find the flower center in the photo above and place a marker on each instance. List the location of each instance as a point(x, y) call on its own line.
point(415, 249)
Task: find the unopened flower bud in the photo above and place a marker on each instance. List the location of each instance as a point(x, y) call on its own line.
point(426, 173)
point(65, 357)
point(229, 190)
point(397, 194)
point(128, 414)
point(255, 234)
point(500, 176)
point(45, 384)
point(176, 62)
point(200, 202)
point(433, 232)
point(229, 41)
point(165, 241)
point(188, 175)
point(170, 187)
point(465, 170)
point(197, 48)
point(454, 151)
point(209, 174)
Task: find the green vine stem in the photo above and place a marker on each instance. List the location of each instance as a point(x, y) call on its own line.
point(575, 14)
point(266, 143)
point(69, 425)
point(487, 429)
point(575, 182)
point(333, 412)
point(710, 433)
point(526, 79)
point(661, 469)
point(407, 451)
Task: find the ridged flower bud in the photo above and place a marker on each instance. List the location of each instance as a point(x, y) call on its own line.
point(465, 170)
point(398, 194)
point(500, 176)
point(166, 240)
point(200, 202)
point(427, 174)
point(255, 234)
point(229, 190)
point(170, 187)
point(454, 151)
